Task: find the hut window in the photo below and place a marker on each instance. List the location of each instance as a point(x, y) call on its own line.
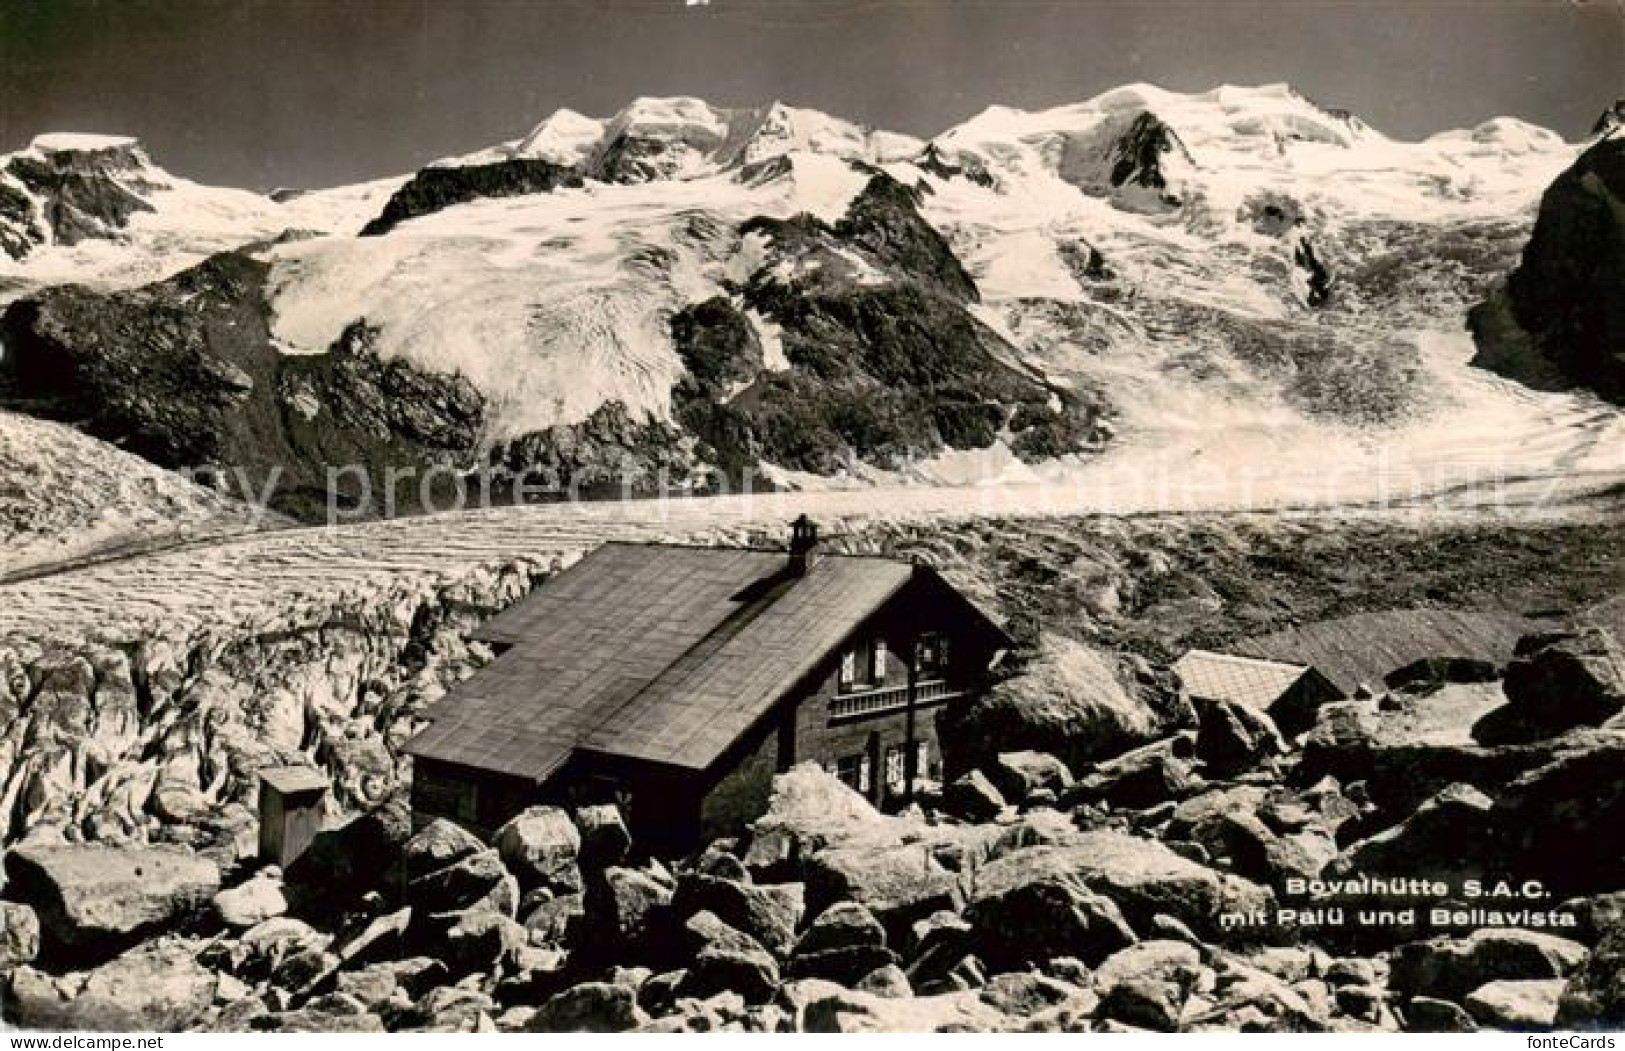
point(933, 654)
point(896, 775)
point(856, 771)
point(849, 668)
point(922, 759)
point(877, 662)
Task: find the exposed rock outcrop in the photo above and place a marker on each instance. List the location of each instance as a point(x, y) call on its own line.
point(435, 189)
point(184, 373)
point(1560, 319)
point(886, 362)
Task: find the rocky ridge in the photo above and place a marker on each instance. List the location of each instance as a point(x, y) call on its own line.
point(1558, 321)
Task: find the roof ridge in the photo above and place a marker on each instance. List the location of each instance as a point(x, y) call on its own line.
point(679, 545)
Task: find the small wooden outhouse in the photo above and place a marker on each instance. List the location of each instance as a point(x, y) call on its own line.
point(291, 811)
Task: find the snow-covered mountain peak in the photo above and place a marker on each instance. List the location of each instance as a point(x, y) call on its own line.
point(1183, 253)
point(1228, 116)
point(654, 138)
point(565, 137)
point(65, 144)
point(68, 187)
point(783, 129)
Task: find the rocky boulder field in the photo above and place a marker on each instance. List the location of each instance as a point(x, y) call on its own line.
point(1434, 855)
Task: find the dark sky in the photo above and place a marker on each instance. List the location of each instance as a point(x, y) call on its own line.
point(263, 93)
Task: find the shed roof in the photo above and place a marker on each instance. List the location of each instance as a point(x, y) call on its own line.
point(1228, 677)
point(658, 652)
point(293, 780)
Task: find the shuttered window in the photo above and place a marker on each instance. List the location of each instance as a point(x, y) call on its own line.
point(849, 668)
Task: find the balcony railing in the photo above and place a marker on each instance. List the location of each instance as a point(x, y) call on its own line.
point(890, 698)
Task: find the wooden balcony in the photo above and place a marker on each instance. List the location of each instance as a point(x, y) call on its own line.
point(866, 703)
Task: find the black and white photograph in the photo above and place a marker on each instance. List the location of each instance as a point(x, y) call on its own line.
point(811, 516)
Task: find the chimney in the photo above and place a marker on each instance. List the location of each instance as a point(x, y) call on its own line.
point(803, 545)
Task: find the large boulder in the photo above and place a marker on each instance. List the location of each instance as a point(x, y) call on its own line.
point(262, 949)
point(377, 939)
point(253, 901)
point(1322, 807)
point(1159, 960)
point(770, 914)
point(1026, 914)
point(1232, 738)
point(809, 809)
point(438, 844)
point(476, 880)
point(93, 900)
point(1516, 1006)
point(727, 960)
point(302, 971)
point(320, 1018)
point(1409, 748)
point(1143, 878)
point(158, 987)
point(1594, 997)
point(825, 1007)
point(1074, 702)
point(1142, 779)
point(1563, 821)
point(556, 919)
point(844, 944)
point(592, 1007)
point(1023, 995)
point(1250, 999)
point(841, 926)
point(1449, 836)
point(1144, 1003)
point(540, 846)
point(604, 838)
point(451, 1009)
point(1276, 859)
point(972, 798)
point(1017, 775)
point(1429, 1014)
point(1196, 818)
point(1450, 968)
point(345, 863)
point(898, 882)
point(482, 941)
point(1266, 834)
point(1577, 680)
point(19, 935)
point(626, 909)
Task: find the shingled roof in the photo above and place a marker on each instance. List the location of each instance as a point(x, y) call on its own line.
point(658, 652)
point(1228, 677)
